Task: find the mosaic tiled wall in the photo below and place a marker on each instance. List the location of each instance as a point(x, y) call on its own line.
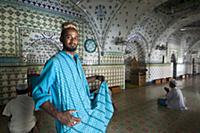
point(7, 32)
point(188, 68)
point(23, 29)
point(144, 17)
point(37, 46)
point(114, 74)
point(127, 17)
point(29, 31)
point(158, 71)
point(159, 56)
point(108, 58)
point(29, 36)
point(112, 58)
point(100, 14)
point(180, 69)
point(9, 78)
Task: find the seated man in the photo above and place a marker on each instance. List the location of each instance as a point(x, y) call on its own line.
point(174, 97)
point(20, 111)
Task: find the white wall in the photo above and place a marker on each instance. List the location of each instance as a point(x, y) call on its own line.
point(158, 71)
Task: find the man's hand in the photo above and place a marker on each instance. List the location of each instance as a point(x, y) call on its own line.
point(64, 117)
point(67, 119)
point(101, 78)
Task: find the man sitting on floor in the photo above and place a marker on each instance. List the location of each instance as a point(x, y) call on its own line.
point(174, 97)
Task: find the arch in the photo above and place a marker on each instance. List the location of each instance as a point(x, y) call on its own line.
point(138, 36)
point(194, 45)
point(177, 24)
point(135, 51)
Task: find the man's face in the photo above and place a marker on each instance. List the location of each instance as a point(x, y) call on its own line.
point(71, 40)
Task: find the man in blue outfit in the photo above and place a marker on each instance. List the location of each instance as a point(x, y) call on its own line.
point(62, 91)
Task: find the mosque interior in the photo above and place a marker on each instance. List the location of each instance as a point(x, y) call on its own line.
point(138, 45)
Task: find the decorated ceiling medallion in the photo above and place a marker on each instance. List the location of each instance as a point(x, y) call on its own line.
point(90, 45)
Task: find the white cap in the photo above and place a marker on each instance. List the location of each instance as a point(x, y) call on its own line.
point(21, 87)
point(173, 81)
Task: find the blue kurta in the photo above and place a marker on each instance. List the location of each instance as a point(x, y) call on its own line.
point(63, 83)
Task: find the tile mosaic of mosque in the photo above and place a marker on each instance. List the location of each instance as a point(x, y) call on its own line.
point(9, 78)
point(158, 71)
point(114, 74)
point(28, 37)
point(33, 36)
point(37, 46)
point(13, 19)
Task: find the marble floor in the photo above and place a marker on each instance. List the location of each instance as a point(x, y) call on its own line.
point(138, 112)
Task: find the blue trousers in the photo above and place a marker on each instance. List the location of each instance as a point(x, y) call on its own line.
point(162, 101)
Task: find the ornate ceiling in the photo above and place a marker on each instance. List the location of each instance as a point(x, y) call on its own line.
point(155, 20)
